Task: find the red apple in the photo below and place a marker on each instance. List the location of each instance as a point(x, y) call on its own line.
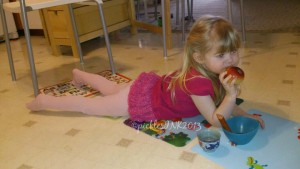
point(236, 72)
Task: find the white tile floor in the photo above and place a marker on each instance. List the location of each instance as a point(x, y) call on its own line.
point(70, 140)
point(50, 140)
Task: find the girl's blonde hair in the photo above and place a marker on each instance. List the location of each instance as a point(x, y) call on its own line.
point(206, 32)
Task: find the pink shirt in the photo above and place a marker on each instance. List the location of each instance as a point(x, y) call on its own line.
point(163, 106)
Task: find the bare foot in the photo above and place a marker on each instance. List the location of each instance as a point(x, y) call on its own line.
point(37, 103)
point(76, 78)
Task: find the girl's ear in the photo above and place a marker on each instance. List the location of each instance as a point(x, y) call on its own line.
point(197, 57)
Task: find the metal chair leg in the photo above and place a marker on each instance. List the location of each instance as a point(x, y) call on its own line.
point(182, 19)
point(192, 11)
point(75, 31)
point(164, 29)
point(105, 32)
point(29, 47)
point(242, 20)
point(7, 42)
point(177, 12)
point(229, 10)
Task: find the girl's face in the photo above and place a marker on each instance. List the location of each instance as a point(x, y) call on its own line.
point(218, 62)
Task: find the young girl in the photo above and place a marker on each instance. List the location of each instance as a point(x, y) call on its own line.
point(199, 86)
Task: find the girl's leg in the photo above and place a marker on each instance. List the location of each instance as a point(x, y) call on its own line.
point(97, 82)
point(112, 105)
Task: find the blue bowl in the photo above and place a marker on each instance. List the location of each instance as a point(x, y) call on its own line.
point(243, 129)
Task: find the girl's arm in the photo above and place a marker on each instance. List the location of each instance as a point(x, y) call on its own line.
point(240, 112)
point(206, 106)
point(228, 107)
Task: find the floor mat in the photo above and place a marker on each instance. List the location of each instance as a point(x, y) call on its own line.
point(275, 147)
point(178, 132)
point(67, 88)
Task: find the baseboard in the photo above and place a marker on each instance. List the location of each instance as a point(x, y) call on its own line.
point(33, 32)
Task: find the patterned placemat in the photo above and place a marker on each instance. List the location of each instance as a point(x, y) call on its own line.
point(67, 88)
point(177, 132)
point(275, 147)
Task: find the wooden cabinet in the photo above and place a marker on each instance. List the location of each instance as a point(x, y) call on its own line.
point(57, 25)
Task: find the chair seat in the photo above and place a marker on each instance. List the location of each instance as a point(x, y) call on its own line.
point(32, 5)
